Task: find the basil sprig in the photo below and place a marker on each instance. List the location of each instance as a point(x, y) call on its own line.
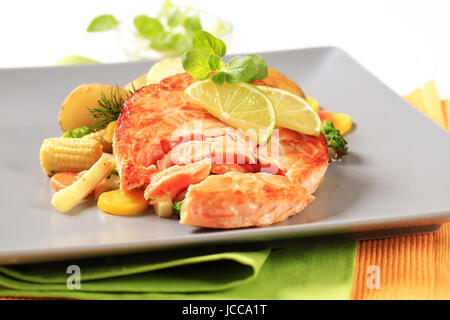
point(204, 59)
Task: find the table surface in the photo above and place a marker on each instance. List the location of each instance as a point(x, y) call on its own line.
point(403, 42)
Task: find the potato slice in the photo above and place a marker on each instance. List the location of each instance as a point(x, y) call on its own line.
point(138, 83)
point(75, 113)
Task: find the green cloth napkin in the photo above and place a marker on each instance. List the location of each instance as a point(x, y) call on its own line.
point(323, 271)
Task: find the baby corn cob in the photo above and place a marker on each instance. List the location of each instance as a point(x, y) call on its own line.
point(98, 135)
point(69, 154)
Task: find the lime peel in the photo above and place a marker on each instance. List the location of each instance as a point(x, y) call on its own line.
point(293, 111)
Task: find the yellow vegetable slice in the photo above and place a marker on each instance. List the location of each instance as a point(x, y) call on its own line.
point(342, 122)
point(109, 131)
point(313, 103)
point(67, 198)
point(122, 203)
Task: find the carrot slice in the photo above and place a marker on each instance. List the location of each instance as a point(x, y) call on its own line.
point(63, 179)
point(325, 115)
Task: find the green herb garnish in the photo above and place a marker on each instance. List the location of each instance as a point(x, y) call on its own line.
point(104, 22)
point(170, 32)
point(148, 27)
point(77, 133)
point(177, 206)
point(333, 137)
point(75, 60)
point(204, 59)
point(109, 109)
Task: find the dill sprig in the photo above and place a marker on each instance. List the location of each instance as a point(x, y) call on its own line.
point(109, 109)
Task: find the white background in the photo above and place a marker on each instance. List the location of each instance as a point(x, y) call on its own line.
point(405, 43)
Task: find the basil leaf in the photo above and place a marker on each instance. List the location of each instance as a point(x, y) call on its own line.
point(219, 78)
point(262, 68)
point(175, 18)
point(166, 41)
point(166, 8)
point(241, 69)
point(207, 42)
point(196, 63)
point(104, 22)
point(192, 24)
point(215, 63)
point(148, 27)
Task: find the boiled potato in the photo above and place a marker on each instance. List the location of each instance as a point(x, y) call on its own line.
point(138, 83)
point(75, 113)
point(163, 69)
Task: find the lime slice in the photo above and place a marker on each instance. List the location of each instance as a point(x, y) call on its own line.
point(240, 105)
point(164, 69)
point(293, 112)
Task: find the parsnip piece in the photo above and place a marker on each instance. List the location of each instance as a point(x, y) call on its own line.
point(109, 183)
point(162, 206)
point(67, 198)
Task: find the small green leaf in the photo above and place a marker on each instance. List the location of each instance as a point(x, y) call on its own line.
point(241, 69)
point(148, 27)
point(175, 18)
point(166, 9)
point(176, 42)
point(177, 206)
point(104, 22)
point(75, 60)
point(215, 63)
point(219, 78)
point(165, 41)
point(221, 27)
point(207, 42)
point(193, 24)
point(262, 67)
point(196, 63)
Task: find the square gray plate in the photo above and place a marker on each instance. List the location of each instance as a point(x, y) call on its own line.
point(396, 179)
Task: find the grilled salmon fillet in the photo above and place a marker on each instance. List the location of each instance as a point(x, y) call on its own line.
point(236, 200)
point(166, 144)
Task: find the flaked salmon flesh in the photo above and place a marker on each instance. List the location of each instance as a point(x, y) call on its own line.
point(166, 144)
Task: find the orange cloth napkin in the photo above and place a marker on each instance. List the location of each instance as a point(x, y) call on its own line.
point(411, 267)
